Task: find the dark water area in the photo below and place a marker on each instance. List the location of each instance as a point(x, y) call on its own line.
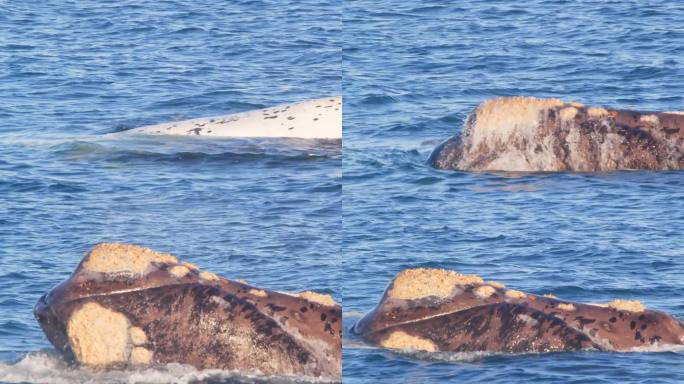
point(73, 73)
point(411, 74)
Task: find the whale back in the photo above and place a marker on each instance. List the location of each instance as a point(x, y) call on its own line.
point(310, 119)
point(527, 134)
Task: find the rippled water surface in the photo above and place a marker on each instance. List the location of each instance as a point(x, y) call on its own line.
point(411, 75)
point(71, 72)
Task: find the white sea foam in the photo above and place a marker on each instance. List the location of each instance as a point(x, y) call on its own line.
point(657, 347)
point(357, 344)
point(449, 356)
point(49, 367)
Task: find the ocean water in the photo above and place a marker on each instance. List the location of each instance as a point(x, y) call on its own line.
point(411, 74)
point(73, 72)
point(293, 214)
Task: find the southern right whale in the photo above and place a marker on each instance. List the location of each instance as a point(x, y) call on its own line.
point(439, 310)
point(527, 134)
point(309, 119)
point(126, 305)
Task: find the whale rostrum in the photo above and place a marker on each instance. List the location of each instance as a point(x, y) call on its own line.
point(437, 310)
point(528, 134)
point(126, 305)
point(309, 119)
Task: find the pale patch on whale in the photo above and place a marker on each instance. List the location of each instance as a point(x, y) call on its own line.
point(417, 283)
point(627, 305)
point(316, 297)
point(484, 291)
point(310, 119)
point(258, 292)
point(98, 336)
point(402, 340)
point(514, 294)
point(124, 258)
point(650, 119)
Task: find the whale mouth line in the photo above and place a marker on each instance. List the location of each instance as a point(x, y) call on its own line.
point(435, 316)
point(128, 290)
point(412, 321)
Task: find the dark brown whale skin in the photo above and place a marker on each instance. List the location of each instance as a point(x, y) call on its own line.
point(560, 139)
point(196, 319)
point(514, 323)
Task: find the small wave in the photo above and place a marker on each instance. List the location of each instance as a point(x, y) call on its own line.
point(467, 357)
point(378, 100)
point(180, 149)
point(48, 367)
point(188, 30)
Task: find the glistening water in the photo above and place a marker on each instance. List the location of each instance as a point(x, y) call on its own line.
point(411, 74)
point(268, 211)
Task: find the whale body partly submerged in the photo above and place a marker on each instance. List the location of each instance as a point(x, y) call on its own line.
point(310, 119)
point(527, 134)
point(437, 310)
point(127, 305)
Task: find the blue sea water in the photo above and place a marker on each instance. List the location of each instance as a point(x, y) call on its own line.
point(277, 212)
point(268, 211)
point(412, 71)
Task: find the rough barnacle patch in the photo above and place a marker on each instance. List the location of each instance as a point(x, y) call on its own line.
point(496, 284)
point(568, 113)
point(317, 298)
point(138, 336)
point(649, 119)
point(550, 296)
point(123, 258)
point(627, 305)
point(484, 291)
point(258, 292)
point(98, 336)
point(597, 113)
point(499, 118)
point(411, 284)
point(179, 270)
point(402, 340)
point(512, 293)
point(190, 266)
point(566, 307)
point(208, 276)
point(140, 356)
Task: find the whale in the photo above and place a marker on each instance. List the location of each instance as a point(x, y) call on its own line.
point(528, 134)
point(310, 119)
point(129, 306)
point(436, 310)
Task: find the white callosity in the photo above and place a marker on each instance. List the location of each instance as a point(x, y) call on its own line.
point(101, 337)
